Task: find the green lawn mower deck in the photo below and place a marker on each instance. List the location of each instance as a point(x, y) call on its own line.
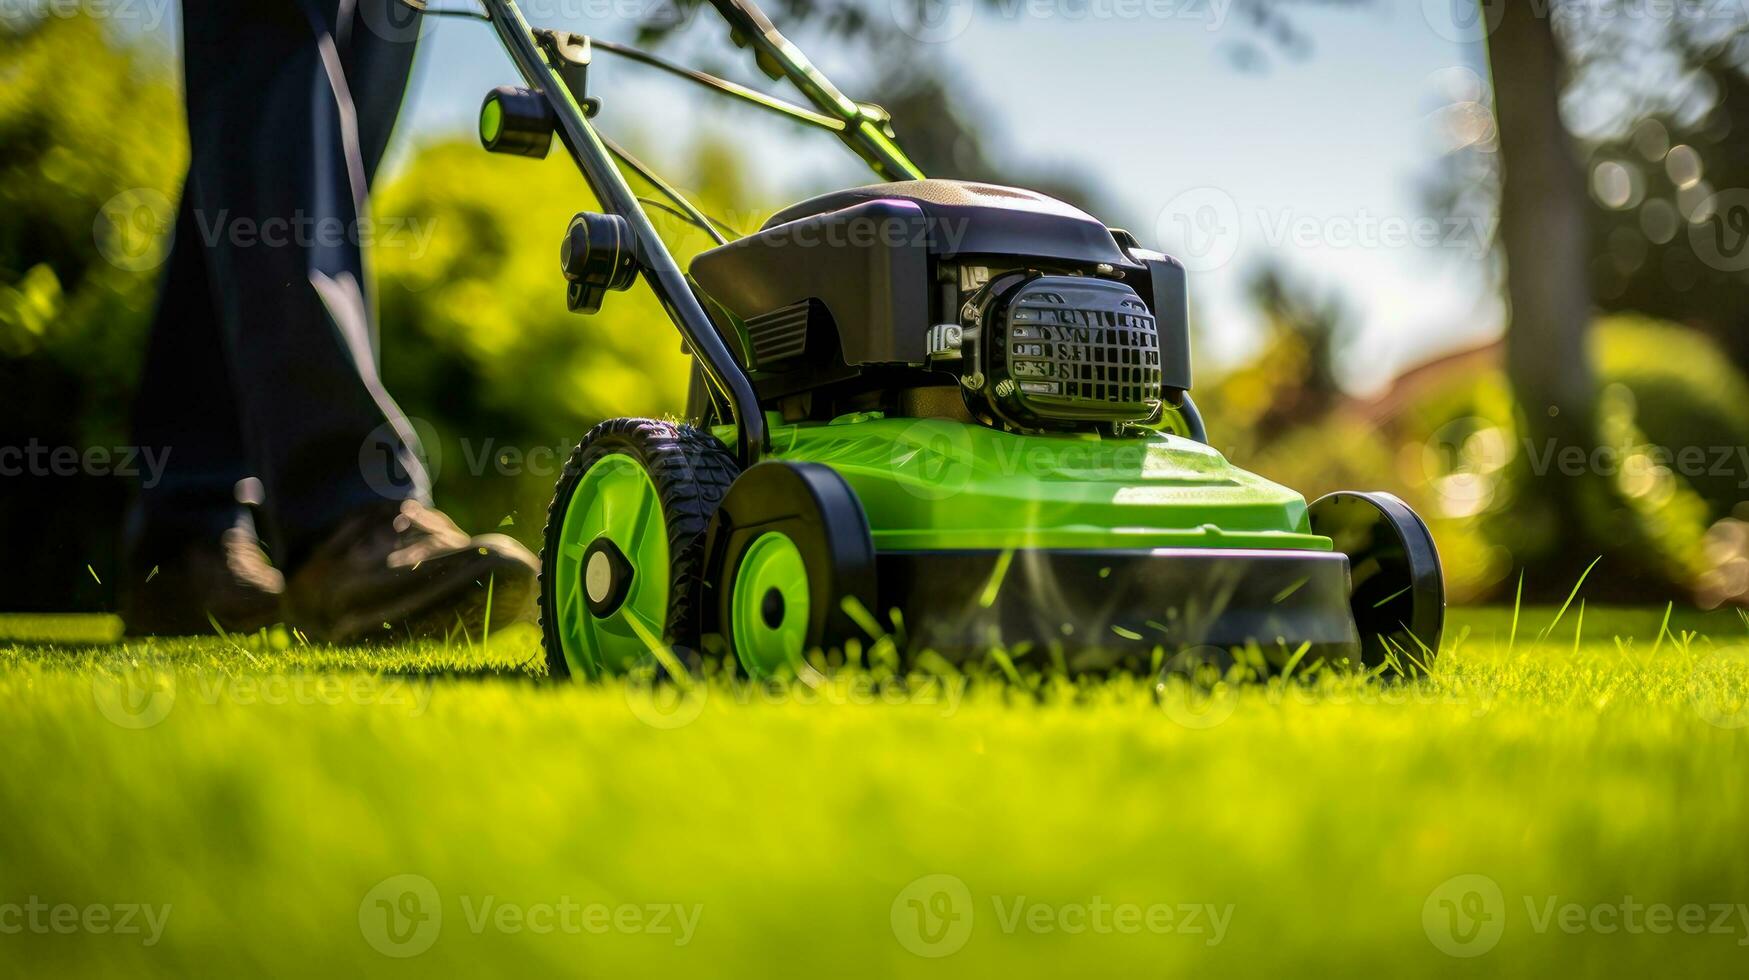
point(959, 538)
point(945, 415)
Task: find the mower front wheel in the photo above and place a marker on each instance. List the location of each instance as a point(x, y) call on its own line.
point(623, 555)
point(792, 557)
point(1396, 590)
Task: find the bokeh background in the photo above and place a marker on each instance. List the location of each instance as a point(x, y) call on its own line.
point(1489, 257)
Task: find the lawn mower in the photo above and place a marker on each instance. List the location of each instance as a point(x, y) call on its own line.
point(944, 413)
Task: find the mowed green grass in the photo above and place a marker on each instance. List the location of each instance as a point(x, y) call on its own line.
point(1555, 806)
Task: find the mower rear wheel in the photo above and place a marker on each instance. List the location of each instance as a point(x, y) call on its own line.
point(791, 554)
point(1397, 590)
point(623, 554)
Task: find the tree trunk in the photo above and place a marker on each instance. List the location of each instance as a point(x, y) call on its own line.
point(1543, 231)
point(1542, 228)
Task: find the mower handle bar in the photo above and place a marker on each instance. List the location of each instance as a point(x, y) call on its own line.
point(861, 127)
point(655, 263)
point(865, 127)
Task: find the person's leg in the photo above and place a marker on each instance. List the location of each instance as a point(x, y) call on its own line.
point(191, 557)
point(290, 104)
point(184, 409)
point(279, 183)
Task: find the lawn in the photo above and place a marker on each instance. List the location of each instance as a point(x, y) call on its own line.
point(1575, 802)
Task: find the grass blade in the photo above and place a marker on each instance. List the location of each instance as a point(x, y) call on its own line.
point(1563, 610)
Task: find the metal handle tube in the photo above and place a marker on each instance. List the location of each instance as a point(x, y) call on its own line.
point(657, 264)
point(861, 133)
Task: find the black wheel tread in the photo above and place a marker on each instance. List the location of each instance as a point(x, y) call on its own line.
point(691, 472)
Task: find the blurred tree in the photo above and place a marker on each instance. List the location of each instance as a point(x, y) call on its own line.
point(87, 177)
point(477, 343)
point(1291, 380)
point(1670, 209)
point(1542, 231)
point(1646, 108)
point(934, 111)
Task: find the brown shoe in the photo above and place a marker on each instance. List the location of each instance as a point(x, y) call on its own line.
point(406, 571)
point(189, 589)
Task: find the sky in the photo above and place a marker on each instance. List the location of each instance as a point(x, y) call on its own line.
point(1211, 141)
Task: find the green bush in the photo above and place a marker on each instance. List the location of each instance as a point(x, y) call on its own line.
point(477, 341)
point(91, 153)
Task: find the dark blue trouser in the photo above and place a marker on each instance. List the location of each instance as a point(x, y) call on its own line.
point(262, 359)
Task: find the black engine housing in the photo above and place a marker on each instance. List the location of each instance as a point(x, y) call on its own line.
point(1058, 351)
point(872, 297)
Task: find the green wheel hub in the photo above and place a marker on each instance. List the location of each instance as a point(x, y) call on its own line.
point(770, 606)
point(606, 623)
